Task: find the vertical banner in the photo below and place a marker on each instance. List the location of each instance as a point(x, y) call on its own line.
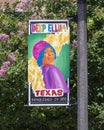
point(48, 63)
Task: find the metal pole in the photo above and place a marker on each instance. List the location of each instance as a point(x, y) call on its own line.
point(82, 68)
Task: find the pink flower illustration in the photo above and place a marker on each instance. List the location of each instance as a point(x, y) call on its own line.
point(19, 24)
point(21, 33)
point(5, 65)
point(3, 73)
point(20, 5)
point(11, 57)
point(4, 37)
point(25, 1)
point(12, 33)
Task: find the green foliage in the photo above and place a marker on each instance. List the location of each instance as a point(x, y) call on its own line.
point(96, 64)
point(13, 86)
point(96, 119)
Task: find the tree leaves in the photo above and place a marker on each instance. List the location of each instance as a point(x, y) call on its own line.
point(14, 92)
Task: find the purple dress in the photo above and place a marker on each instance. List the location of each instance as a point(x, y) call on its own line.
point(53, 78)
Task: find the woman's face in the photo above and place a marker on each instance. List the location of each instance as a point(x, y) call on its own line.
point(48, 57)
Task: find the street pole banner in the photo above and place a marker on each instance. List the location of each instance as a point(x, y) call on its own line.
point(48, 63)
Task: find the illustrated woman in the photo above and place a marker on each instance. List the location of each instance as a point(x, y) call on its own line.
point(45, 56)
